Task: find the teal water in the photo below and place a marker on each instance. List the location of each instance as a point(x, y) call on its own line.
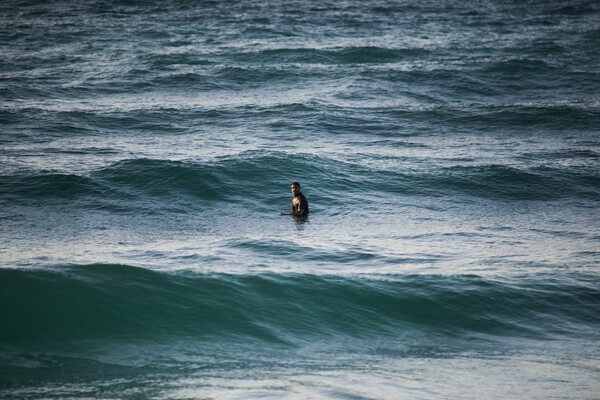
point(450, 154)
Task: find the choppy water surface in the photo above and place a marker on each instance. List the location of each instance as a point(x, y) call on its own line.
point(450, 153)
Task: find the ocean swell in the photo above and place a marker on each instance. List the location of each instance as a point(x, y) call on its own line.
point(120, 302)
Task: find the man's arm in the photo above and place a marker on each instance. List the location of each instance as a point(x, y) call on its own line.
point(297, 212)
point(302, 206)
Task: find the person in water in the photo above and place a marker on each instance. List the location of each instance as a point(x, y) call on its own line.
point(299, 203)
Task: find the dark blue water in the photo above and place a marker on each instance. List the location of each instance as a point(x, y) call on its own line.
point(450, 154)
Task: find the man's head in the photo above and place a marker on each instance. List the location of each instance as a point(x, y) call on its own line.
point(295, 188)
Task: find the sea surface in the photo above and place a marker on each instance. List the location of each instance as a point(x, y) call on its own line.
point(449, 151)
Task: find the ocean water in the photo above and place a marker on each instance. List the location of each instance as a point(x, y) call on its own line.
point(449, 151)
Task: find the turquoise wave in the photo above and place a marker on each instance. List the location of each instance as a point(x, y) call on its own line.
point(119, 302)
point(143, 183)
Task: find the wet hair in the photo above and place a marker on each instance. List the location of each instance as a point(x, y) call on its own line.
point(296, 184)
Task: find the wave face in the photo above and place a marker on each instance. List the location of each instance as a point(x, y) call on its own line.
point(118, 302)
point(133, 325)
point(449, 152)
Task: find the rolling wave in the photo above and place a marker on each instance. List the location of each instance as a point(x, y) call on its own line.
point(343, 55)
point(140, 181)
point(126, 303)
